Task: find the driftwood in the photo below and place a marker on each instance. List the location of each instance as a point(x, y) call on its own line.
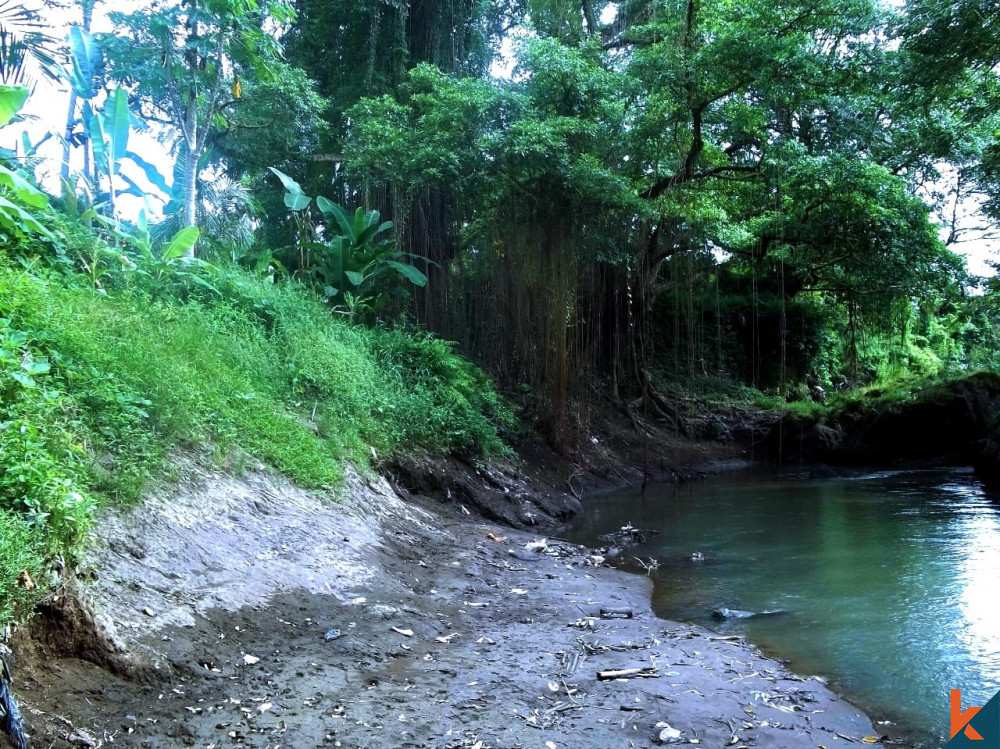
point(616, 613)
point(628, 673)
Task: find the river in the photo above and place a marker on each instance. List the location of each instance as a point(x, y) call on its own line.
point(889, 582)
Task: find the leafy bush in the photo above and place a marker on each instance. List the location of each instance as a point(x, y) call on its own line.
point(357, 267)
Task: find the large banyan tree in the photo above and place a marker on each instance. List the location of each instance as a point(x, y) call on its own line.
point(589, 215)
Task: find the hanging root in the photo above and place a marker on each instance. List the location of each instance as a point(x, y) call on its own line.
point(10, 714)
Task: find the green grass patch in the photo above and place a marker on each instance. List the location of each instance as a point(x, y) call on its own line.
point(99, 388)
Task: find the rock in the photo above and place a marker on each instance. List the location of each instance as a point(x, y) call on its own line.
point(667, 733)
point(628, 536)
point(723, 614)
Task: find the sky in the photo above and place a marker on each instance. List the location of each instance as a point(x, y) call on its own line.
point(47, 107)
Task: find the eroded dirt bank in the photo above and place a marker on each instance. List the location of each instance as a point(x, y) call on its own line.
point(250, 613)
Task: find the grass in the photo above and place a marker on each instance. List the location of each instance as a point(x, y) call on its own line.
point(97, 390)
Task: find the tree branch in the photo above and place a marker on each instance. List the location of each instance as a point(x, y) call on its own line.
point(681, 178)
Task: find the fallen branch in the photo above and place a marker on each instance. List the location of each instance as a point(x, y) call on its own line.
point(627, 673)
point(615, 613)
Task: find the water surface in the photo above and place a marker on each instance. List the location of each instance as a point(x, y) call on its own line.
point(890, 581)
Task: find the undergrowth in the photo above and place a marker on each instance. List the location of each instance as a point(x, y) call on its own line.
point(97, 389)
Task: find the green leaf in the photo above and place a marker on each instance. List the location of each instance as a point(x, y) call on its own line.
point(85, 57)
point(36, 366)
point(14, 216)
point(97, 135)
point(151, 172)
point(290, 184)
point(116, 122)
point(23, 190)
point(328, 207)
point(354, 277)
point(202, 282)
point(361, 221)
point(24, 379)
point(413, 275)
point(296, 202)
point(295, 198)
point(181, 243)
point(12, 98)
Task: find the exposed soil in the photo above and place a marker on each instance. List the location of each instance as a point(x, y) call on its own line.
point(247, 612)
point(947, 423)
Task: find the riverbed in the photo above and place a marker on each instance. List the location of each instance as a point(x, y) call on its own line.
point(244, 611)
point(886, 582)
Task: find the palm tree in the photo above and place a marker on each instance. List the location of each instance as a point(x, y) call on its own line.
point(24, 45)
point(227, 213)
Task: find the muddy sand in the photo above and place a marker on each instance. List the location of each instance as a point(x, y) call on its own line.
point(247, 612)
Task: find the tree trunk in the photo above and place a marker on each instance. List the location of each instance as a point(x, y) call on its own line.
point(190, 191)
point(70, 121)
point(192, 150)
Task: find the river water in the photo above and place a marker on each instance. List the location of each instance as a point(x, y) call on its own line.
point(889, 582)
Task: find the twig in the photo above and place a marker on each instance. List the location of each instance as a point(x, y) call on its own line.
point(569, 482)
point(652, 564)
point(621, 475)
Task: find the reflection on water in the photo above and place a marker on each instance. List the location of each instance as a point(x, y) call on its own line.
point(889, 580)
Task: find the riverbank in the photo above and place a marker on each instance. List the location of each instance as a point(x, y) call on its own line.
point(246, 611)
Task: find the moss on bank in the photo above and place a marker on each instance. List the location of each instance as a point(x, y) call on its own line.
point(98, 388)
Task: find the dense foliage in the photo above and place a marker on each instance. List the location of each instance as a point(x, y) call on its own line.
point(588, 197)
point(693, 188)
point(116, 350)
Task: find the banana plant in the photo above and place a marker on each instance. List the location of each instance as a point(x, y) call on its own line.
point(17, 195)
point(85, 64)
point(109, 131)
point(163, 271)
point(358, 269)
point(12, 98)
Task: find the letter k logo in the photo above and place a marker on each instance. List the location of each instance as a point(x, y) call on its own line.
point(960, 719)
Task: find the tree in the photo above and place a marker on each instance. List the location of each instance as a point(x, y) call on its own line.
point(184, 64)
point(23, 43)
point(950, 56)
point(85, 66)
point(364, 49)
